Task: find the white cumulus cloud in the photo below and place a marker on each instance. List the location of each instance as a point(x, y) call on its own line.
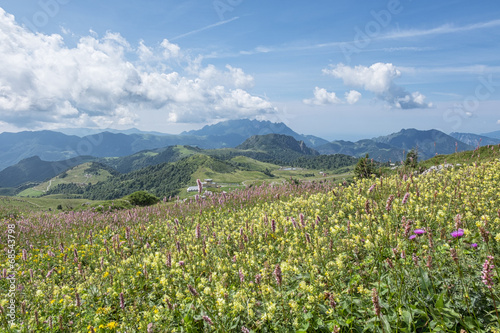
point(43, 81)
point(379, 78)
point(352, 96)
point(322, 97)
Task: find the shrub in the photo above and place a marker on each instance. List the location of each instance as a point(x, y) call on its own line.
point(142, 198)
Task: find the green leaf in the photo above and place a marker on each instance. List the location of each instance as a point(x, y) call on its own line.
point(425, 283)
point(385, 323)
point(439, 303)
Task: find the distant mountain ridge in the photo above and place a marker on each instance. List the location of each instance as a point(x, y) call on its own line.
point(474, 139)
point(55, 146)
point(82, 132)
point(378, 151)
point(494, 135)
point(33, 169)
point(237, 131)
point(428, 142)
point(393, 147)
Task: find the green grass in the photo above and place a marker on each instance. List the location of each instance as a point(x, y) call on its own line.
point(483, 154)
point(10, 205)
point(250, 163)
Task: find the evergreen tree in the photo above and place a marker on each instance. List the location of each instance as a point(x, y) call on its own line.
point(364, 168)
point(411, 159)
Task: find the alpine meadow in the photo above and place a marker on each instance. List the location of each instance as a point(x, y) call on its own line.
point(249, 166)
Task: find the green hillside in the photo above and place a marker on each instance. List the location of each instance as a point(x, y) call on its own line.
point(150, 157)
point(483, 154)
point(171, 179)
point(33, 169)
point(80, 175)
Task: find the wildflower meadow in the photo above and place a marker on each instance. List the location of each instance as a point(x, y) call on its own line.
point(398, 253)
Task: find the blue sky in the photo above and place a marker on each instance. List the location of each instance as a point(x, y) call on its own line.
point(336, 69)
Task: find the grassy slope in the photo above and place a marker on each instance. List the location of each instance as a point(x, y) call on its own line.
point(10, 205)
point(483, 154)
point(77, 175)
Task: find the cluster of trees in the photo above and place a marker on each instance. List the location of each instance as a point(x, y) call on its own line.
point(324, 162)
point(366, 167)
point(96, 168)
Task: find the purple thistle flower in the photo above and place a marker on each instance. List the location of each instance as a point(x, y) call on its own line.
point(419, 231)
point(457, 233)
point(487, 273)
point(473, 245)
point(412, 237)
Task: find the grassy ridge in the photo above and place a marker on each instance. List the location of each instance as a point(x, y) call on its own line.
point(83, 174)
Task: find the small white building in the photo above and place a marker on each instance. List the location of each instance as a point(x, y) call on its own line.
point(192, 189)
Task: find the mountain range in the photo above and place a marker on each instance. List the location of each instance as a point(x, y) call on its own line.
point(476, 140)
point(36, 156)
point(56, 146)
point(234, 132)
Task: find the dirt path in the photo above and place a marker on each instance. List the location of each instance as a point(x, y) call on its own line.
point(50, 183)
